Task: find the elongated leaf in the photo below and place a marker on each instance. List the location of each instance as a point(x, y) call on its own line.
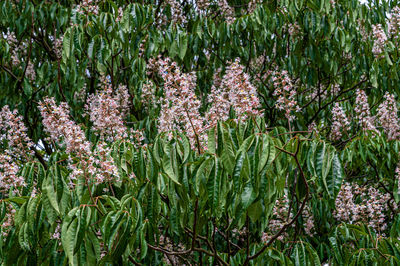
point(213, 184)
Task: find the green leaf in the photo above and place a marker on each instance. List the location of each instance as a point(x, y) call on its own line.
point(168, 169)
point(248, 195)
point(211, 141)
point(183, 45)
point(334, 179)
point(69, 233)
point(213, 184)
point(238, 169)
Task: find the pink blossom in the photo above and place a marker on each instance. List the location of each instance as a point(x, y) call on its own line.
point(394, 23)
point(233, 90)
point(286, 93)
point(380, 39)
point(14, 132)
point(105, 112)
point(180, 105)
point(88, 7)
point(362, 111)
point(388, 118)
point(340, 122)
point(373, 208)
point(83, 161)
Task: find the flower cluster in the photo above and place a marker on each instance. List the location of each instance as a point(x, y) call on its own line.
point(61, 128)
point(147, 96)
point(227, 11)
point(88, 7)
point(253, 5)
point(180, 105)
point(137, 138)
point(9, 177)
point(123, 99)
point(394, 23)
point(340, 122)
point(58, 44)
point(293, 29)
point(83, 161)
point(362, 111)
point(397, 176)
point(13, 135)
point(308, 217)
point(17, 49)
point(176, 11)
point(380, 39)
point(119, 14)
point(57, 232)
point(372, 208)
point(280, 215)
point(236, 91)
point(8, 220)
point(202, 4)
point(169, 244)
point(388, 118)
point(320, 93)
point(14, 132)
point(286, 93)
point(365, 34)
point(14, 44)
point(104, 111)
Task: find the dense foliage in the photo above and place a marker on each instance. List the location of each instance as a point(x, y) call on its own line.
point(199, 132)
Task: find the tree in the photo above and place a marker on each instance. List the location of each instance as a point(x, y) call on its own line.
point(199, 132)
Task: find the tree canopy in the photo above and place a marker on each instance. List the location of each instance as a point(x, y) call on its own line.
point(227, 132)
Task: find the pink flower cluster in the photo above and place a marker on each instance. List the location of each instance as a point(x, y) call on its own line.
point(394, 23)
point(234, 90)
point(397, 176)
point(372, 209)
point(318, 94)
point(9, 177)
point(365, 34)
point(105, 113)
point(176, 11)
point(147, 96)
point(8, 220)
point(286, 93)
point(57, 232)
point(63, 130)
point(119, 14)
point(279, 218)
point(362, 111)
point(293, 29)
point(14, 132)
point(88, 7)
point(380, 40)
point(308, 217)
point(227, 11)
point(180, 105)
point(202, 4)
point(17, 49)
point(252, 5)
point(340, 122)
point(388, 118)
point(58, 44)
point(137, 138)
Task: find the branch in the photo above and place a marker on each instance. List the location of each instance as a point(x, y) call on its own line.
point(283, 229)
